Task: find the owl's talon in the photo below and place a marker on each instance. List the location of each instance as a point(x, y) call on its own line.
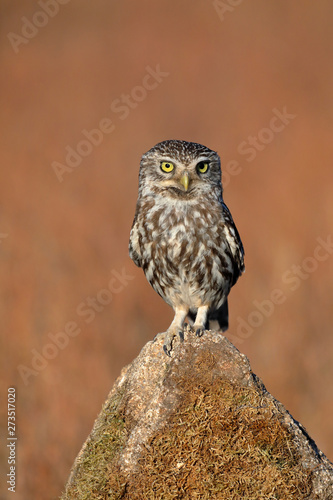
point(199, 330)
point(169, 336)
point(167, 352)
point(167, 346)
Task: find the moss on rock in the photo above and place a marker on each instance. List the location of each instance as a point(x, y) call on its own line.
point(96, 476)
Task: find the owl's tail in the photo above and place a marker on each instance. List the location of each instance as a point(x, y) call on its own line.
point(217, 320)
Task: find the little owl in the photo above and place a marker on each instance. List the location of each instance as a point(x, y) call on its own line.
point(183, 235)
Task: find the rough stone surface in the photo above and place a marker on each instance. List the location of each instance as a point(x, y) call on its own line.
point(197, 425)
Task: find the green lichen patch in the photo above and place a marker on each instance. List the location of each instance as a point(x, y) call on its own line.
point(97, 465)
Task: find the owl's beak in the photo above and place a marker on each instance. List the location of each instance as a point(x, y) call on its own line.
point(185, 180)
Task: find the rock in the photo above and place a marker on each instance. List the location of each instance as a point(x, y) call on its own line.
point(198, 425)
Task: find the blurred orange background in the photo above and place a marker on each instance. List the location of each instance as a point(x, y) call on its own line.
point(219, 74)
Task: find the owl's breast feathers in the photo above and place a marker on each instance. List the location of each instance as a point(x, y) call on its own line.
point(187, 246)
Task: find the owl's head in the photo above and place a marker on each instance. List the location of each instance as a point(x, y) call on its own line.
point(180, 170)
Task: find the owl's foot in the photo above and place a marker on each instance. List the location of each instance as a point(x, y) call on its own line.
point(199, 329)
point(200, 321)
point(170, 334)
point(176, 327)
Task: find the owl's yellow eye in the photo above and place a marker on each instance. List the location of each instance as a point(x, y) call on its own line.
point(167, 166)
point(202, 167)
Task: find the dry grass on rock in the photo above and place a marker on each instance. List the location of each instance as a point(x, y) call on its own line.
point(224, 441)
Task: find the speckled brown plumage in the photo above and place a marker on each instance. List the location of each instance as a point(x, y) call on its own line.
point(183, 235)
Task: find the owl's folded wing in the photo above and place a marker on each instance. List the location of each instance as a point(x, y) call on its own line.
point(234, 242)
point(134, 247)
